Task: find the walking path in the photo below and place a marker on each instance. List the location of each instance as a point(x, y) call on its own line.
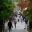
point(19, 27)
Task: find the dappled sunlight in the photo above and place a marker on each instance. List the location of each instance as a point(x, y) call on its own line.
point(25, 9)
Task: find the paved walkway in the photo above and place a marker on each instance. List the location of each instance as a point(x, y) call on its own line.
point(19, 27)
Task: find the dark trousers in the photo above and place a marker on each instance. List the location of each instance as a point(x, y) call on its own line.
point(15, 25)
point(9, 29)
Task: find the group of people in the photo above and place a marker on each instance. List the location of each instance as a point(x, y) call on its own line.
point(10, 23)
point(15, 22)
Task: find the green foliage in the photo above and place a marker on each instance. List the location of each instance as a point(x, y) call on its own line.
point(6, 8)
point(29, 14)
point(30, 1)
point(15, 0)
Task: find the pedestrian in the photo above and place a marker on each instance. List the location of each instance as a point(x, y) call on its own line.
point(9, 24)
point(18, 20)
point(15, 23)
point(23, 17)
point(15, 19)
point(26, 22)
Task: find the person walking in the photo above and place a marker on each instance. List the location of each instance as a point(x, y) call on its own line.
point(26, 22)
point(9, 24)
point(15, 23)
point(18, 20)
point(15, 20)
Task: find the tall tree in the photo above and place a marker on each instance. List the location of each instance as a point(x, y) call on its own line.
point(6, 10)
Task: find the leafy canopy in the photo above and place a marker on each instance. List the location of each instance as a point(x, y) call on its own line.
point(6, 8)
